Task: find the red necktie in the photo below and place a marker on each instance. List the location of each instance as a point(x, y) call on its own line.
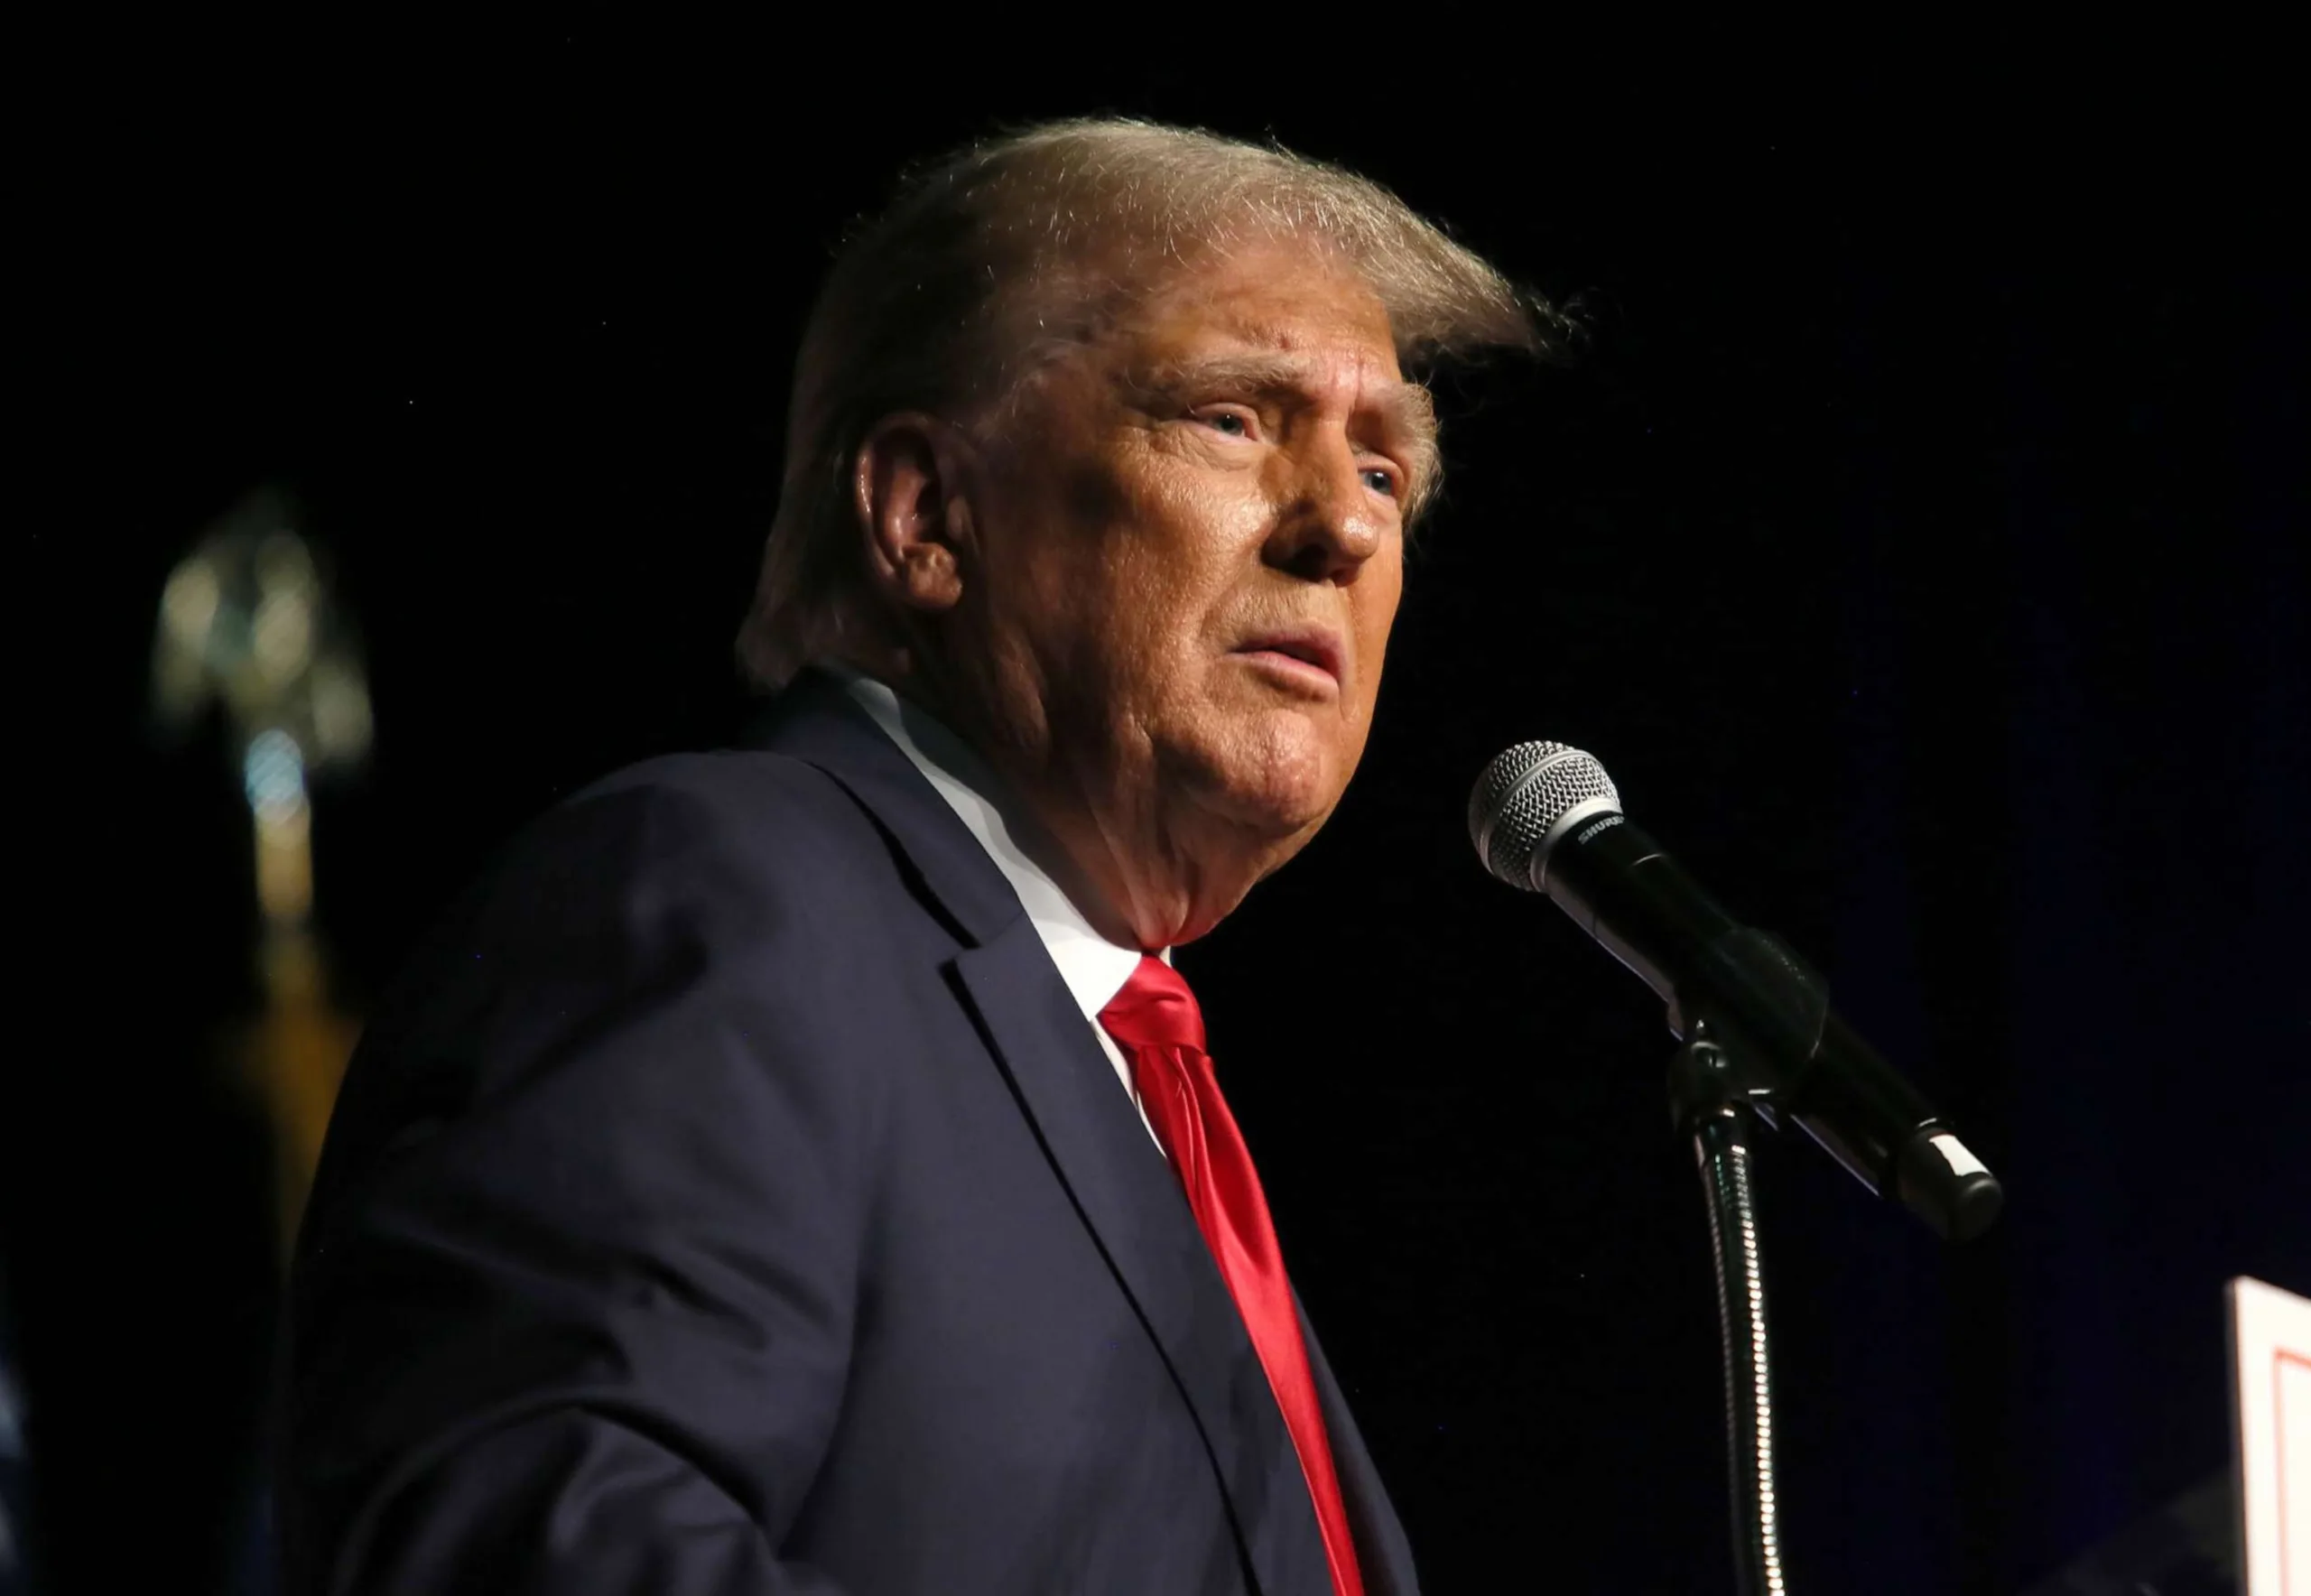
point(1157, 1020)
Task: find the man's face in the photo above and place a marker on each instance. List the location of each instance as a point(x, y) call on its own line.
point(1193, 544)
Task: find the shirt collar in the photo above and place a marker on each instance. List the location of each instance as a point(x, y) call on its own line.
point(1093, 968)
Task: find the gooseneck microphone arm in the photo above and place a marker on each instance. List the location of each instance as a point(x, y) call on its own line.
point(1712, 1110)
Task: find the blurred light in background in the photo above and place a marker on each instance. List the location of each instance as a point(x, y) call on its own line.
point(249, 625)
point(248, 621)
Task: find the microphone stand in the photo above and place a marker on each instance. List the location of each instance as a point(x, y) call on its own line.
point(1717, 1103)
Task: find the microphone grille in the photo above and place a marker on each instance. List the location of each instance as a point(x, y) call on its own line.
point(1522, 795)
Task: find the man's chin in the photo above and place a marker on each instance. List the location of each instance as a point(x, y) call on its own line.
point(1283, 786)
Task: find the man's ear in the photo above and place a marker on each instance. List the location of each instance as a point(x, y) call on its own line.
point(909, 481)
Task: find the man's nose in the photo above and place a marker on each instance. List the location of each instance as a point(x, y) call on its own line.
point(1333, 520)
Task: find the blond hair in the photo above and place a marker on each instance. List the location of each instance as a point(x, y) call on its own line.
point(999, 258)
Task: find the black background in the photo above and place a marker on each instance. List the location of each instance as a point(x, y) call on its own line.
point(1919, 542)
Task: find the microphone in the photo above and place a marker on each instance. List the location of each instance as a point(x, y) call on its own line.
point(1546, 818)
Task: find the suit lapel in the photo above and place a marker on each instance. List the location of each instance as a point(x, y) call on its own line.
point(1119, 1183)
point(1136, 1211)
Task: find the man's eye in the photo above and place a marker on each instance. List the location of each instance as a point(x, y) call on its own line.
point(1230, 422)
point(1380, 481)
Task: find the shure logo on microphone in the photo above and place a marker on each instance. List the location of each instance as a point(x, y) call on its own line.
point(1595, 826)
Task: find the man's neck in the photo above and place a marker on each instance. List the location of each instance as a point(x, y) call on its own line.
point(1051, 890)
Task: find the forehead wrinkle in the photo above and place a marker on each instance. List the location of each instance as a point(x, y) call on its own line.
point(1406, 407)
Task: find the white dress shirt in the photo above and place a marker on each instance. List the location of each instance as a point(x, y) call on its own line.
point(1093, 968)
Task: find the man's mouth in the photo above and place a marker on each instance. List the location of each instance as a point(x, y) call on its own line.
point(1310, 654)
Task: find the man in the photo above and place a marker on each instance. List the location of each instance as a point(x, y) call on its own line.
point(798, 1169)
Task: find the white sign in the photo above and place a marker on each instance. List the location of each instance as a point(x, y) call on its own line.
point(2271, 1368)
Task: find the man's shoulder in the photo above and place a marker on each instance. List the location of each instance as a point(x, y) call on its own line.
point(735, 844)
point(752, 800)
point(702, 878)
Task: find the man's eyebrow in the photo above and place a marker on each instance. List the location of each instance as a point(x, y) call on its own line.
point(1404, 407)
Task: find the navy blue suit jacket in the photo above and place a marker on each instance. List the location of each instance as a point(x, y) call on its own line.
point(731, 1197)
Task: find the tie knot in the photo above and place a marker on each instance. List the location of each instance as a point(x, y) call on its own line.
point(1155, 1010)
